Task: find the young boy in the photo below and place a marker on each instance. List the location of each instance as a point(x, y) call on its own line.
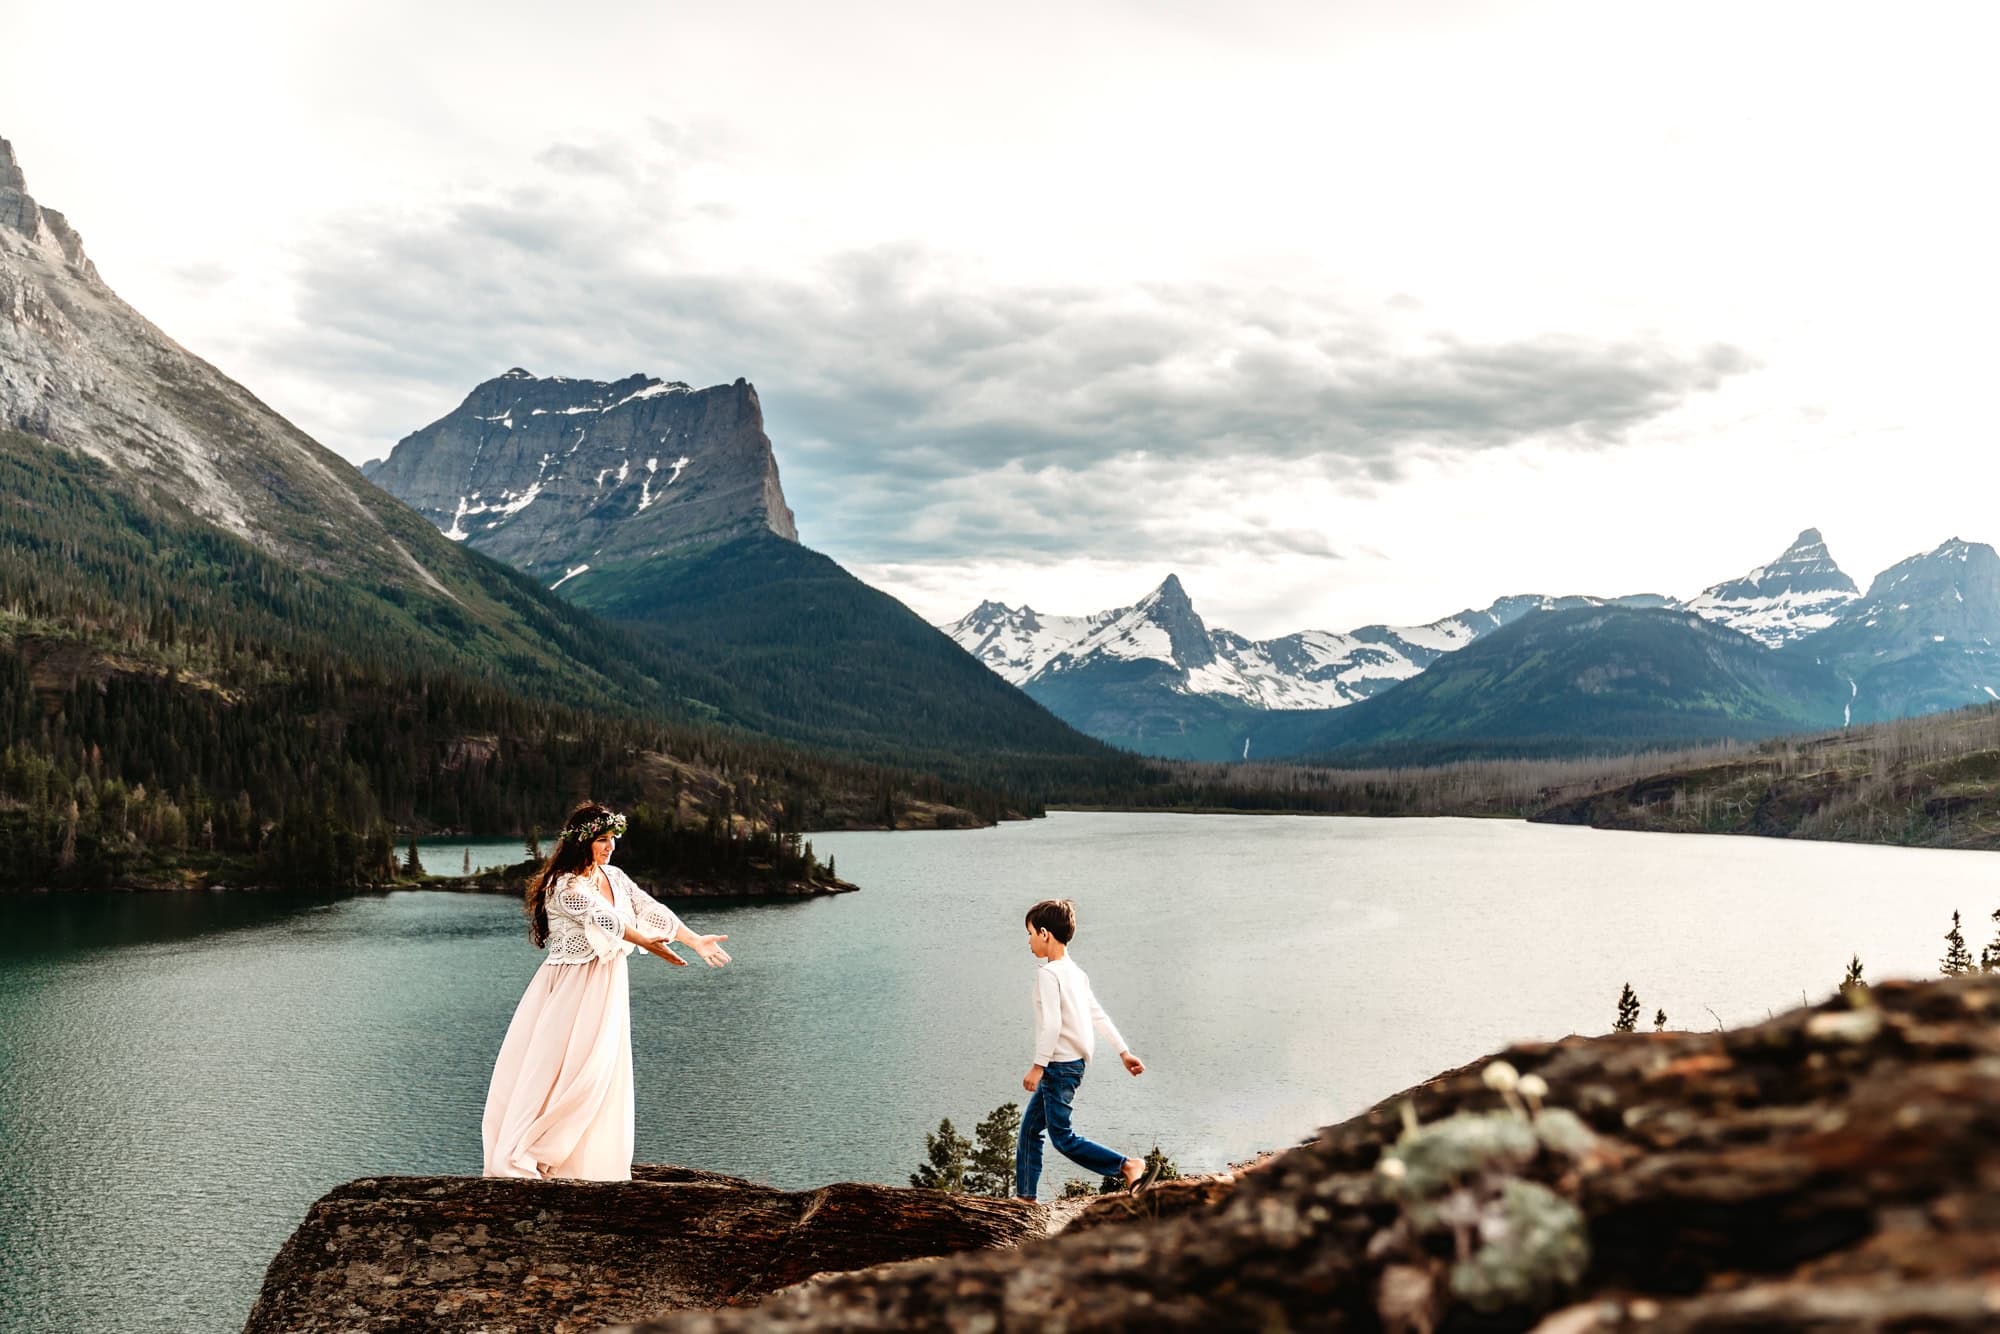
point(1065, 1011)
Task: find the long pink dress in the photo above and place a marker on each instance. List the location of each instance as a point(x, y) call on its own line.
point(560, 1104)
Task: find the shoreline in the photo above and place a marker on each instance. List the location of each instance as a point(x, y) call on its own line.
point(505, 881)
point(479, 882)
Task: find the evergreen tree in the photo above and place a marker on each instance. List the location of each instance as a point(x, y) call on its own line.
point(534, 847)
point(831, 875)
point(1659, 1021)
point(379, 857)
point(466, 867)
point(1957, 959)
point(1989, 958)
point(412, 864)
point(991, 1171)
point(66, 854)
point(1853, 983)
point(1628, 1011)
point(945, 1160)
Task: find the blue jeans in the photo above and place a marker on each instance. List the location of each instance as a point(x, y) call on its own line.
point(1048, 1111)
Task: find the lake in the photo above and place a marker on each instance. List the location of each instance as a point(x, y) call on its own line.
point(182, 1075)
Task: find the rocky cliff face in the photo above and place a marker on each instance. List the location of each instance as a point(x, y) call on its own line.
point(561, 477)
point(472, 1254)
point(80, 368)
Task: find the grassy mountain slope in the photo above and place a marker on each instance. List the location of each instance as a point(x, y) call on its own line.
point(812, 654)
point(1136, 703)
point(1571, 682)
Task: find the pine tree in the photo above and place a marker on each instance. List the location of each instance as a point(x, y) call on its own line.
point(1659, 1021)
point(1628, 1011)
point(945, 1160)
point(534, 846)
point(1989, 958)
point(412, 864)
point(991, 1171)
point(66, 853)
point(830, 875)
point(1957, 959)
point(1853, 983)
point(466, 868)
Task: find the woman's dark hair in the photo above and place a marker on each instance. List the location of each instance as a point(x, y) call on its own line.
point(571, 856)
point(1055, 916)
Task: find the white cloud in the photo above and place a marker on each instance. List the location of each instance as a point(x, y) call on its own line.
point(1358, 279)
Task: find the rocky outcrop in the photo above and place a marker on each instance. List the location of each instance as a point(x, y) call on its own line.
point(1836, 1168)
point(568, 478)
point(476, 1254)
point(44, 228)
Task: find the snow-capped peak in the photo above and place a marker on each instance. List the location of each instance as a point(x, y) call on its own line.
point(1019, 643)
point(1314, 669)
point(1800, 592)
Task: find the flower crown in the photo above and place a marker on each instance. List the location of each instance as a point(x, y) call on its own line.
point(588, 832)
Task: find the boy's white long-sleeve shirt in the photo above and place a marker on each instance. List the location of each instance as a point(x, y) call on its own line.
point(1066, 1011)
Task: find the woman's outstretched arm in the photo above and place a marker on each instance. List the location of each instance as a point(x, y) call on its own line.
point(668, 929)
point(708, 947)
point(654, 945)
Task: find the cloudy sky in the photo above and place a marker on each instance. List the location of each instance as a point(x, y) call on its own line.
point(1344, 312)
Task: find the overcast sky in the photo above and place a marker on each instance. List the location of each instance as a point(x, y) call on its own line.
point(1345, 312)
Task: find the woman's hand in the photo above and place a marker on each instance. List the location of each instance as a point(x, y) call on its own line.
point(659, 947)
point(710, 949)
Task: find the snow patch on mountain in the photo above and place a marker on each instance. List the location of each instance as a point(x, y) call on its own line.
point(1018, 642)
point(1801, 592)
point(1313, 669)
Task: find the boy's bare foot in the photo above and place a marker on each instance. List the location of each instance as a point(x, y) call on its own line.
point(1132, 1170)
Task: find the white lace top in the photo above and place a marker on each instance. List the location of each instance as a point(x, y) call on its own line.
point(585, 926)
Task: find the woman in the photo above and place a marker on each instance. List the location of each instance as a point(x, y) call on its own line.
point(560, 1104)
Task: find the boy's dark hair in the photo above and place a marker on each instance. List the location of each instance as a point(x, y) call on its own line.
point(1055, 916)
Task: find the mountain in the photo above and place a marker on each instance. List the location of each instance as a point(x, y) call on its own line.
point(83, 370)
point(1801, 592)
point(1017, 643)
point(659, 506)
point(813, 654)
point(1923, 637)
point(225, 657)
point(571, 480)
point(1154, 678)
point(1571, 682)
point(149, 488)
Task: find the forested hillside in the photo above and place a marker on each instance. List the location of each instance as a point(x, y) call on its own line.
point(176, 702)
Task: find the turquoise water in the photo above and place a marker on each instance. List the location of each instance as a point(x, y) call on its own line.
point(185, 1074)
